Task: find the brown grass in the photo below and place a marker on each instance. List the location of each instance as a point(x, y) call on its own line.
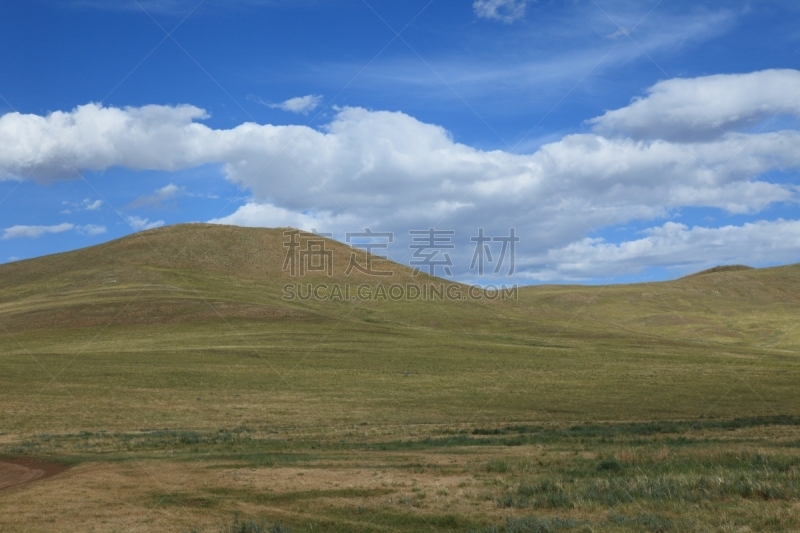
point(168, 369)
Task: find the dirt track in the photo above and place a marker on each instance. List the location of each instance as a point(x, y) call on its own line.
point(15, 471)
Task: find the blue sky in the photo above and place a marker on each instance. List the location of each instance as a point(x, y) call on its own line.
point(121, 115)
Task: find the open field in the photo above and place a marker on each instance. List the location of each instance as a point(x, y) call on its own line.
point(169, 373)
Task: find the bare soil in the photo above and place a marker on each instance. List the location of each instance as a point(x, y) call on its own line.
point(17, 471)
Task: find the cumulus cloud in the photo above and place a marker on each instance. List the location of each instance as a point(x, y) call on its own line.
point(392, 172)
point(673, 245)
point(299, 104)
point(86, 205)
point(139, 223)
point(271, 216)
point(701, 108)
point(503, 10)
point(91, 229)
point(97, 138)
point(90, 205)
point(32, 232)
point(159, 196)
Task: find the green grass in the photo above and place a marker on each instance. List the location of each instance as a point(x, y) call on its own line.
point(175, 345)
point(728, 477)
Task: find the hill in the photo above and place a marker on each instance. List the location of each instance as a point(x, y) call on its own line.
point(199, 272)
point(183, 273)
point(172, 371)
point(186, 299)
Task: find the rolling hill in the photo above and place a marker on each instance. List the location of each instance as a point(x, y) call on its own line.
point(170, 370)
point(202, 307)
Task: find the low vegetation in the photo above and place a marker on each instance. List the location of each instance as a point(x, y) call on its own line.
point(187, 395)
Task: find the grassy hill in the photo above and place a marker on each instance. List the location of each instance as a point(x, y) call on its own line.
point(203, 306)
point(177, 344)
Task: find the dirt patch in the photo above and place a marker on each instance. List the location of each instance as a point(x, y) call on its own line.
point(17, 471)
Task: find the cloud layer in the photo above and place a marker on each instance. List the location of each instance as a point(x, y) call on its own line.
point(299, 104)
point(672, 245)
point(159, 196)
point(704, 108)
point(139, 223)
point(33, 232)
point(682, 145)
point(503, 10)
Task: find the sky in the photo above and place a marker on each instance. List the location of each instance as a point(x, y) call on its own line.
point(620, 141)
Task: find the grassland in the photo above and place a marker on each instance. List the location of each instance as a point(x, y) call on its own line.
point(169, 371)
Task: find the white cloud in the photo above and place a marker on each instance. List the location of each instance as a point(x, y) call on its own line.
point(139, 224)
point(98, 138)
point(168, 192)
point(503, 10)
point(86, 205)
point(707, 107)
point(92, 205)
point(91, 229)
point(621, 32)
point(268, 215)
point(32, 232)
point(673, 245)
point(391, 172)
point(299, 104)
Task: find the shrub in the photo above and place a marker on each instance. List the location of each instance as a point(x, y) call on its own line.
point(609, 465)
point(251, 526)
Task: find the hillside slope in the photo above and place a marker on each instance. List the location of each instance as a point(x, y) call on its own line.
point(187, 326)
point(187, 272)
point(200, 271)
